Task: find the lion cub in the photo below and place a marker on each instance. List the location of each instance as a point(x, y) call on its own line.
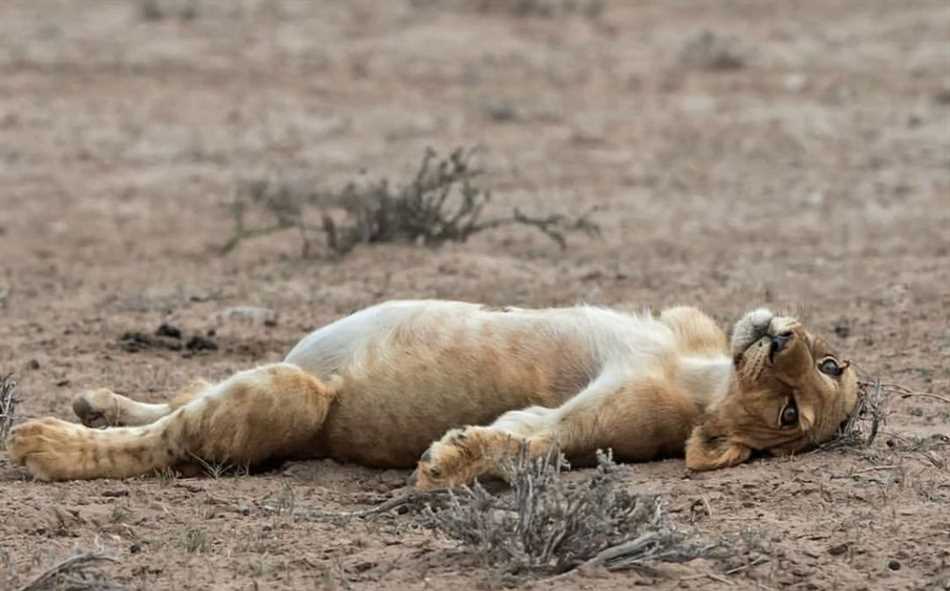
point(379, 386)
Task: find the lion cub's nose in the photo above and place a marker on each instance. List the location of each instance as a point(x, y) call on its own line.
point(779, 343)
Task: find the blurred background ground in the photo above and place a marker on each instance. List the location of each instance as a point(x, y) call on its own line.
point(792, 154)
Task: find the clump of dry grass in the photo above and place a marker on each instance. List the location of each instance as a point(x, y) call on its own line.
point(7, 406)
point(549, 525)
point(441, 203)
point(79, 572)
point(195, 540)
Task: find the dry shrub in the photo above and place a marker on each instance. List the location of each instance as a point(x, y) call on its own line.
point(548, 524)
point(442, 203)
point(7, 406)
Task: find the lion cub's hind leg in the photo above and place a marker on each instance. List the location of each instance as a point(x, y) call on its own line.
point(695, 332)
point(270, 412)
point(104, 408)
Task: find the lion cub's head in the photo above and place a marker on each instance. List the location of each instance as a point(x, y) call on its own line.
point(790, 392)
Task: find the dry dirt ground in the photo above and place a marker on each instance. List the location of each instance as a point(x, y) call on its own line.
point(807, 168)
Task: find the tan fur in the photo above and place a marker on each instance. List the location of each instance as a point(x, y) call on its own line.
point(380, 386)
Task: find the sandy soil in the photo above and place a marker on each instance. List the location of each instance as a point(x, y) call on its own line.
point(815, 178)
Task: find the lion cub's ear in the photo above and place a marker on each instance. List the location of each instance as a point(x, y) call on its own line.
point(710, 448)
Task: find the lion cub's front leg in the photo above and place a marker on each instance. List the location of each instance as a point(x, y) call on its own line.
point(463, 455)
point(638, 417)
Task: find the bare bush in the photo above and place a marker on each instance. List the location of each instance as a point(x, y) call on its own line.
point(548, 524)
point(7, 406)
point(442, 203)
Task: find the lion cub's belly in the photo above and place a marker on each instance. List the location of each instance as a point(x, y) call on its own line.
point(415, 370)
point(390, 409)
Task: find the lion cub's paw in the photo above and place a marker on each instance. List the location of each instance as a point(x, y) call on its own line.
point(47, 447)
point(97, 408)
point(455, 460)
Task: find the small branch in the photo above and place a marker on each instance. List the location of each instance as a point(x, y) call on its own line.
point(621, 550)
point(926, 395)
point(875, 469)
point(866, 420)
point(77, 562)
point(754, 563)
point(8, 403)
point(409, 498)
point(246, 234)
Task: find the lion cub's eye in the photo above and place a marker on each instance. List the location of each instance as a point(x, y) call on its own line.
point(830, 367)
point(790, 414)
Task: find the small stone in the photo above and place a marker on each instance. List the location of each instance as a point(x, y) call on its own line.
point(200, 343)
point(501, 112)
point(795, 82)
point(33, 364)
point(842, 329)
point(894, 565)
point(168, 330)
point(135, 548)
point(838, 549)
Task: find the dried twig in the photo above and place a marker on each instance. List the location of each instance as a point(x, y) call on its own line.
point(911, 394)
point(7, 405)
point(871, 412)
point(867, 418)
point(73, 573)
point(759, 560)
point(413, 498)
point(875, 469)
